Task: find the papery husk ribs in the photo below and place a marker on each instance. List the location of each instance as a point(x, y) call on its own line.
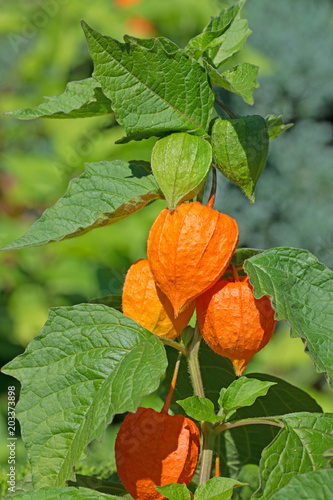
point(146, 304)
point(189, 250)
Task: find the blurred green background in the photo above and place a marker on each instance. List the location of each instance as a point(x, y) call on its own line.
point(42, 47)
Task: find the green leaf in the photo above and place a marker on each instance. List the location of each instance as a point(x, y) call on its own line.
point(199, 409)
point(302, 293)
point(240, 80)
point(235, 35)
point(114, 301)
point(241, 254)
point(105, 193)
point(248, 475)
point(88, 363)
point(240, 150)
point(297, 449)
point(59, 493)
point(180, 164)
point(235, 39)
point(152, 90)
point(204, 41)
point(217, 488)
point(243, 445)
point(314, 485)
point(243, 392)
point(100, 485)
point(81, 99)
point(214, 34)
point(149, 43)
point(225, 18)
point(174, 491)
point(276, 126)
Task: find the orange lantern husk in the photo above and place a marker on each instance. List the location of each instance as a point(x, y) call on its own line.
point(233, 322)
point(155, 449)
point(146, 304)
point(189, 250)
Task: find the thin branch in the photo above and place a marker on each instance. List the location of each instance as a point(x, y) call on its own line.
point(231, 425)
point(212, 195)
point(168, 399)
point(175, 345)
point(225, 109)
point(193, 363)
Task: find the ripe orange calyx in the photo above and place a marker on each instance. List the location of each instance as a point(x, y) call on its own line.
point(233, 322)
point(189, 250)
point(144, 302)
point(155, 449)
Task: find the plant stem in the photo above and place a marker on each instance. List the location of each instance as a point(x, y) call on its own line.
point(206, 427)
point(234, 273)
point(209, 437)
point(193, 363)
point(247, 421)
point(212, 195)
point(168, 399)
point(225, 109)
point(176, 345)
point(217, 459)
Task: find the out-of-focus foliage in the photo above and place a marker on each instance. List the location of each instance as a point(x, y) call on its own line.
point(42, 47)
point(294, 195)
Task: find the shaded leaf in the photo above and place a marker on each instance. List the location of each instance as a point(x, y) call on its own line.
point(302, 293)
point(240, 80)
point(243, 392)
point(114, 301)
point(276, 126)
point(240, 150)
point(217, 488)
point(81, 99)
point(174, 491)
point(241, 254)
point(89, 363)
point(100, 485)
point(105, 193)
point(297, 449)
point(152, 90)
point(314, 485)
point(180, 164)
point(199, 409)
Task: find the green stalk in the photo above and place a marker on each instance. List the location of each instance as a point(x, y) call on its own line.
point(209, 437)
point(207, 429)
point(193, 363)
point(248, 421)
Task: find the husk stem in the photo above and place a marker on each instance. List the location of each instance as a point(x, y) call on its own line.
point(168, 399)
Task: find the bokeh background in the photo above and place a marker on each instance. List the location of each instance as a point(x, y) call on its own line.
point(42, 47)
